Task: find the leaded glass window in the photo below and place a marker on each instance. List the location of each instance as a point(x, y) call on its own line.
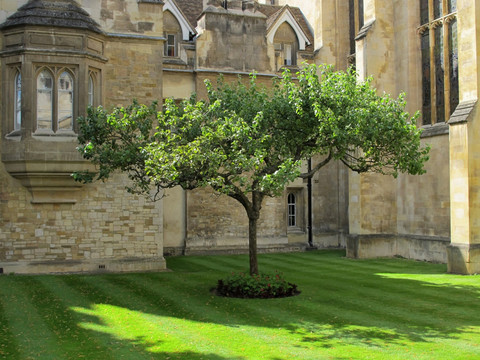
point(65, 102)
point(91, 90)
point(55, 99)
point(18, 101)
point(453, 63)
point(439, 47)
point(44, 100)
point(452, 6)
point(356, 22)
point(439, 74)
point(427, 98)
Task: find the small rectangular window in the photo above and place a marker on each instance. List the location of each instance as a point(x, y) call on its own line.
point(288, 54)
point(292, 209)
point(170, 46)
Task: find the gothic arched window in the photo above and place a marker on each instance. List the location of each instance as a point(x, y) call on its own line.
point(44, 100)
point(65, 101)
point(91, 90)
point(18, 102)
point(439, 49)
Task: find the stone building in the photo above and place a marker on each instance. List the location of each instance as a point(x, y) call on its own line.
point(59, 56)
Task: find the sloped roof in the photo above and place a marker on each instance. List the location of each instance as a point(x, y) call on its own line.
point(192, 9)
point(61, 13)
point(273, 12)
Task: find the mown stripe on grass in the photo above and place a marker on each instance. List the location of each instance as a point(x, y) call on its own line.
point(8, 344)
point(176, 326)
point(357, 286)
point(212, 263)
point(417, 315)
point(365, 279)
point(72, 341)
point(35, 340)
point(217, 316)
point(129, 319)
point(90, 342)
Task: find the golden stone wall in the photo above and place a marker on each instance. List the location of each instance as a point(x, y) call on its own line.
point(223, 43)
point(134, 71)
point(411, 216)
point(464, 251)
point(408, 216)
point(105, 227)
point(102, 227)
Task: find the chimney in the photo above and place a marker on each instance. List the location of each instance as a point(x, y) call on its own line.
point(214, 3)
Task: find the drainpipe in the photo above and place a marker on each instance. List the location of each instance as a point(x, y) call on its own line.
point(309, 205)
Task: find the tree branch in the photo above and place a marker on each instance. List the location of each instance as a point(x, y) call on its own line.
point(317, 167)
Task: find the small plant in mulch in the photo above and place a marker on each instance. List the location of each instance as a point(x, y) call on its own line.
point(262, 286)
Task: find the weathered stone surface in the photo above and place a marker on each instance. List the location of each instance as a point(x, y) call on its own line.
point(121, 41)
point(57, 13)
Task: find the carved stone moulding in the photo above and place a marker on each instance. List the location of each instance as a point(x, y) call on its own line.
point(45, 169)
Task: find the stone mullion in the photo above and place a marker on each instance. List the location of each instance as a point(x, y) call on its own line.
point(29, 88)
point(80, 87)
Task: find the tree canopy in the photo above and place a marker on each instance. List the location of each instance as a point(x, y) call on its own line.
point(248, 141)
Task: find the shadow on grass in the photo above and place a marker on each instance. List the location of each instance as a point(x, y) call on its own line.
point(356, 303)
point(369, 304)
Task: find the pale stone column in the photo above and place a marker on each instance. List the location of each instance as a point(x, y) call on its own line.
point(464, 250)
point(372, 197)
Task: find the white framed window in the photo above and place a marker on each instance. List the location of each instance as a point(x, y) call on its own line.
point(292, 210)
point(17, 124)
point(287, 54)
point(170, 45)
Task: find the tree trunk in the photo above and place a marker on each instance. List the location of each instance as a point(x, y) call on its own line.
point(252, 245)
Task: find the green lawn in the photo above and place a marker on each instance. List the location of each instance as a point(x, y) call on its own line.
point(348, 309)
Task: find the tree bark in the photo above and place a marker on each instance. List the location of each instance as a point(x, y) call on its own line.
point(252, 245)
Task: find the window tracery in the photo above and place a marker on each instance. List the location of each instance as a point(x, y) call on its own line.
point(55, 100)
point(439, 51)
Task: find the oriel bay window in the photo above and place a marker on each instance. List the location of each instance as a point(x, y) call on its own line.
point(45, 69)
point(439, 50)
point(55, 100)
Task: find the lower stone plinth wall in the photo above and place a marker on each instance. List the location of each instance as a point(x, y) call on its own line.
point(464, 259)
point(423, 248)
point(107, 229)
